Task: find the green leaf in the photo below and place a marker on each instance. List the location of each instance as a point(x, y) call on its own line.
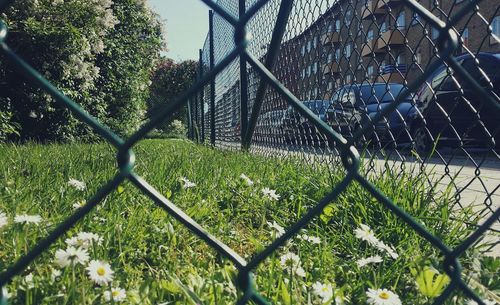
point(430, 283)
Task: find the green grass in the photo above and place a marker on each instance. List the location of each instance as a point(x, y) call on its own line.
point(156, 260)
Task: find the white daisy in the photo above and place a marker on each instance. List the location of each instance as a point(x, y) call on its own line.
point(6, 294)
point(277, 229)
point(300, 272)
point(365, 233)
point(486, 302)
point(24, 218)
point(387, 248)
point(312, 239)
point(28, 281)
point(186, 183)
point(291, 263)
point(246, 179)
point(71, 256)
point(3, 220)
point(84, 240)
point(55, 274)
point(79, 204)
point(369, 260)
point(382, 297)
point(271, 194)
point(77, 184)
point(100, 272)
point(118, 294)
point(324, 291)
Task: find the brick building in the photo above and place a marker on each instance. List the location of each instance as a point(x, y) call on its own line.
point(376, 40)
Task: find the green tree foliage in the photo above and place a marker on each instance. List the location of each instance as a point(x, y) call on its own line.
point(168, 81)
point(100, 53)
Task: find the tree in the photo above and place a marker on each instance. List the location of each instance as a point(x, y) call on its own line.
point(99, 53)
point(168, 81)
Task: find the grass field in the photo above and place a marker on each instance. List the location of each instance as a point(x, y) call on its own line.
point(143, 256)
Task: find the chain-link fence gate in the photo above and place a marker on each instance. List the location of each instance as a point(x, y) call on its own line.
point(321, 58)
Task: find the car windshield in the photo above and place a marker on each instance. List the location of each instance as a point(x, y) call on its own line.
point(318, 107)
point(380, 93)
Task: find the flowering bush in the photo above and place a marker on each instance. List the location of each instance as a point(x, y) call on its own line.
point(99, 53)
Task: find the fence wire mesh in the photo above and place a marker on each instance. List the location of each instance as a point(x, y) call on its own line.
point(406, 83)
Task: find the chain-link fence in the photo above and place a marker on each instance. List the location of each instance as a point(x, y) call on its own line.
point(412, 86)
point(324, 80)
point(407, 84)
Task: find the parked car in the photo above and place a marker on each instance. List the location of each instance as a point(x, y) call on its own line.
point(357, 104)
point(452, 113)
point(297, 127)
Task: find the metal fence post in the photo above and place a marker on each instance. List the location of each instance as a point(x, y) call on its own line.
point(190, 119)
point(202, 100)
point(212, 83)
point(243, 85)
point(271, 57)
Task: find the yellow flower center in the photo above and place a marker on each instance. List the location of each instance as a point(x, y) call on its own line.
point(101, 271)
point(115, 293)
point(383, 295)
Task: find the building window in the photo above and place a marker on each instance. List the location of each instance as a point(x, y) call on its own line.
point(348, 50)
point(330, 28)
point(348, 17)
point(337, 54)
point(434, 33)
point(465, 39)
point(370, 71)
point(400, 21)
point(330, 86)
point(400, 60)
point(383, 27)
point(495, 26)
point(418, 57)
point(303, 49)
point(308, 46)
point(337, 25)
point(348, 78)
point(369, 35)
point(416, 19)
point(330, 58)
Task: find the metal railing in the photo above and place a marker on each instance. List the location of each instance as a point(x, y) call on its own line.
point(233, 83)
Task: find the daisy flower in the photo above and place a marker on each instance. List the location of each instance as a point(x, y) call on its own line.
point(117, 294)
point(77, 184)
point(277, 229)
point(324, 291)
point(84, 240)
point(365, 233)
point(79, 204)
point(271, 194)
point(369, 260)
point(186, 183)
point(312, 239)
point(71, 256)
point(246, 179)
point(28, 281)
point(487, 302)
point(100, 272)
point(388, 249)
point(3, 220)
point(382, 297)
point(55, 274)
point(291, 263)
point(24, 218)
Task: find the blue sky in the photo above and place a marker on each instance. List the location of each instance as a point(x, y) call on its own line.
point(186, 24)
